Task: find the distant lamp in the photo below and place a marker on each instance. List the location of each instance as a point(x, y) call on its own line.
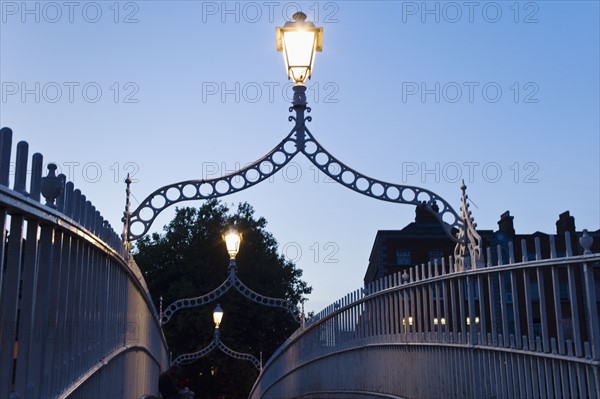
point(469, 320)
point(217, 316)
point(232, 241)
point(299, 40)
point(441, 321)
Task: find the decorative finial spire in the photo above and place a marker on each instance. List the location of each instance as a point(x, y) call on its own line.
point(127, 214)
point(160, 311)
point(470, 240)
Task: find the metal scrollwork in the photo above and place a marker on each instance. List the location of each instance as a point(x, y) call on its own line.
point(187, 303)
point(232, 281)
point(216, 343)
point(268, 301)
point(140, 220)
point(378, 189)
point(298, 140)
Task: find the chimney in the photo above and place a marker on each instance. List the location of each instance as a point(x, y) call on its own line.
point(423, 215)
point(505, 224)
point(565, 222)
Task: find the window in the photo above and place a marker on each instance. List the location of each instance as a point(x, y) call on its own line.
point(403, 257)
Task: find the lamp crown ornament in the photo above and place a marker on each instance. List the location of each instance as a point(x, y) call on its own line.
point(299, 16)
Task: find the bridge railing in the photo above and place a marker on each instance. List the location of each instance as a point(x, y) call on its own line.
point(76, 316)
point(527, 329)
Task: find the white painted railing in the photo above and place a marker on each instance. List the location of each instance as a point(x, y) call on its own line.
point(76, 316)
point(527, 329)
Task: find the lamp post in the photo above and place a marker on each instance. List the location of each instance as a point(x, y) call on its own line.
point(216, 343)
point(233, 241)
point(299, 40)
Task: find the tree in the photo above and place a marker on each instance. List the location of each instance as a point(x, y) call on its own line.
point(189, 260)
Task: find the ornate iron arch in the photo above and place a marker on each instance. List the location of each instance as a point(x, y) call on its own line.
point(216, 343)
point(237, 284)
point(298, 140)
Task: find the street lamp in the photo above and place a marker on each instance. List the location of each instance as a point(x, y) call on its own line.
point(217, 315)
point(216, 343)
point(232, 240)
point(299, 40)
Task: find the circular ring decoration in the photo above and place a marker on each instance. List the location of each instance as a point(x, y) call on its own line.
point(381, 190)
point(142, 218)
point(298, 140)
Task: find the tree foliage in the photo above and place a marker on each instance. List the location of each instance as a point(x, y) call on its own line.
point(189, 259)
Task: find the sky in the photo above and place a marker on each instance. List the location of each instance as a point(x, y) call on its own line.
point(504, 95)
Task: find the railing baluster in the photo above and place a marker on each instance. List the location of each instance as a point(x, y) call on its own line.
point(61, 323)
point(411, 316)
point(557, 310)
point(454, 316)
point(499, 251)
point(572, 283)
point(53, 310)
point(36, 176)
point(482, 308)
point(60, 201)
point(43, 293)
point(552, 241)
point(514, 286)
point(528, 298)
point(21, 167)
point(418, 317)
point(568, 248)
point(5, 150)
point(591, 310)
point(12, 278)
point(473, 321)
point(432, 313)
point(503, 307)
point(524, 254)
point(29, 330)
point(445, 293)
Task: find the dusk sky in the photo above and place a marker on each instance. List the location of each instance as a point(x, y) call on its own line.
point(504, 95)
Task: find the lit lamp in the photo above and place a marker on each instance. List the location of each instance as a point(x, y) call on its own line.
point(232, 241)
point(441, 321)
point(299, 40)
point(469, 320)
point(217, 316)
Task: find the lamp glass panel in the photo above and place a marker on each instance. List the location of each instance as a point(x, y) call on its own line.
point(232, 241)
point(218, 316)
point(299, 47)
